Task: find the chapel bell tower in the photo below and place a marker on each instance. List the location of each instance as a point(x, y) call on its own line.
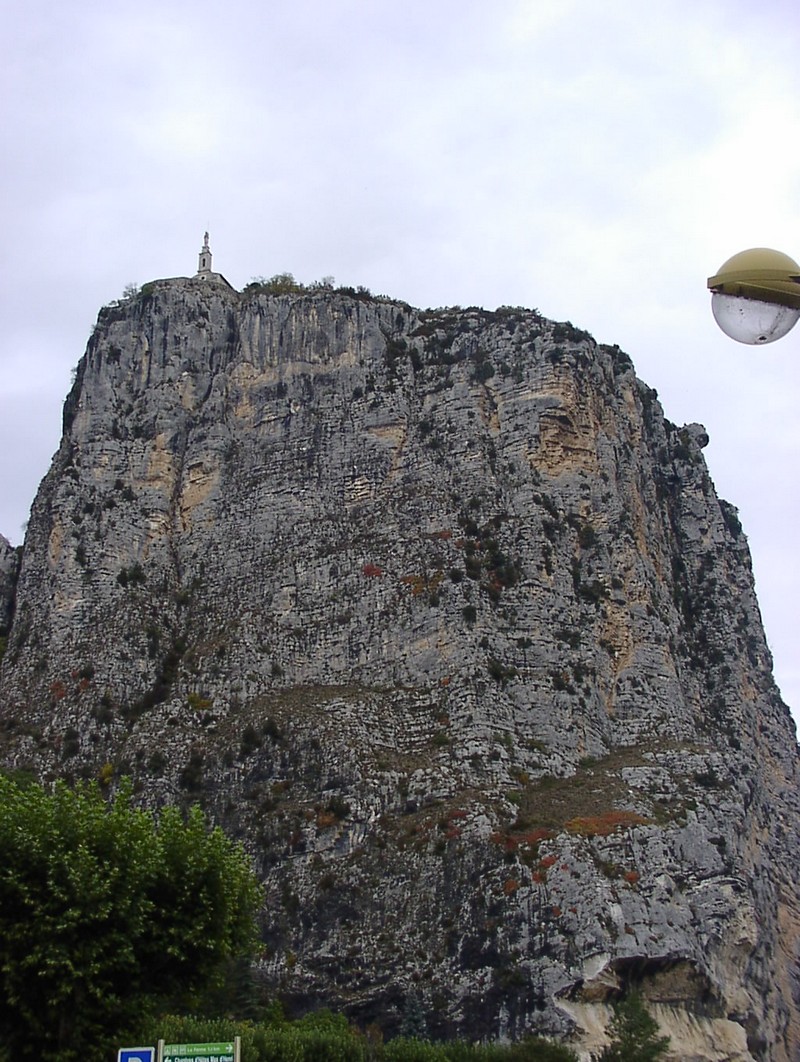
point(204, 271)
point(204, 262)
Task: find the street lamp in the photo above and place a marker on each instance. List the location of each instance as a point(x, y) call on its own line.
point(755, 296)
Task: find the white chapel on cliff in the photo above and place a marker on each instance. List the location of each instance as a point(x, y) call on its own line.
point(204, 271)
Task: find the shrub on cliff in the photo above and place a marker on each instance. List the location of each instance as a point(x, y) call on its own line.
point(635, 1034)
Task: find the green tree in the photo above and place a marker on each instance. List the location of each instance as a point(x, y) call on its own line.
point(413, 1024)
point(280, 284)
point(108, 913)
point(634, 1032)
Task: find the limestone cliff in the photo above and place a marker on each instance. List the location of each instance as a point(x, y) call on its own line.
point(9, 566)
point(442, 617)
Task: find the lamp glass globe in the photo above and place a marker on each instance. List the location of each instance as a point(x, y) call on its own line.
point(750, 320)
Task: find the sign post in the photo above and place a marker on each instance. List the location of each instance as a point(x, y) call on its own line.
point(226, 1051)
point(136, 1054)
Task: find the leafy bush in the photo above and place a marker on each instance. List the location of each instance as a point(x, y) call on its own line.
point(106, 914)
point(410, 1050)
point(327, 1037)
point(280, 284)
point(320, 1037)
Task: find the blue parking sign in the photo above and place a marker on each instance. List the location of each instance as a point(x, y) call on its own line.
point(136, 1054)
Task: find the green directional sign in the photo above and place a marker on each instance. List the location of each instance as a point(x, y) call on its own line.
point(227, 1051)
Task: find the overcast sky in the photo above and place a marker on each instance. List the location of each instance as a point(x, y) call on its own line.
point(596, 159)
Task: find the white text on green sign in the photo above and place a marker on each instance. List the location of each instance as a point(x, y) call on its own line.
point(198, 1052)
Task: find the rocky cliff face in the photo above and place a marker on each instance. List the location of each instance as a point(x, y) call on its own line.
point(9, 566)
point(439, 614)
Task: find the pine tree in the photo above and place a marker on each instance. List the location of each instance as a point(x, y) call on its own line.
point(635, 1033)
point(413, 1025)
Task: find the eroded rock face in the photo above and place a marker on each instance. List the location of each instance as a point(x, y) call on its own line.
point(439, 614)
point(9, 569)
